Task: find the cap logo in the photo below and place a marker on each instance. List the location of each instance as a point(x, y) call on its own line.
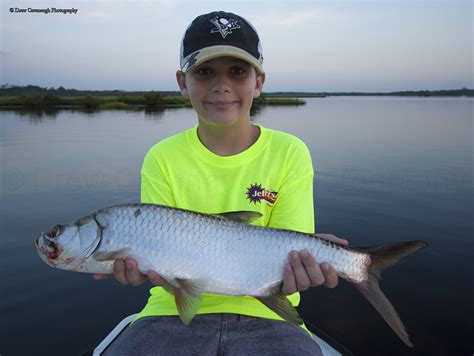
point(224, 25)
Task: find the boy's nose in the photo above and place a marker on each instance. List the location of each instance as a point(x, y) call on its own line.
point(221, 84)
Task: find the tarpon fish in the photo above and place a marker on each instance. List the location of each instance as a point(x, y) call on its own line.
point(220, 254)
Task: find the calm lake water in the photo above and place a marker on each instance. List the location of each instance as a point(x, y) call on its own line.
point(387, 169)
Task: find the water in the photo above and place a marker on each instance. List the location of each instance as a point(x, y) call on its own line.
point(387, 169)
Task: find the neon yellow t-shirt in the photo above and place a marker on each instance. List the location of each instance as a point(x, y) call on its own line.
point(274, 177)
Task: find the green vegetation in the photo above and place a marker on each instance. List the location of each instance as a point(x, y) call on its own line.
point(31, 96)
point(294, 94)
point(47, 99)
point(114, 105)
point(176, 101)
point(283, 101)
point(266, 99)
point(93, 102)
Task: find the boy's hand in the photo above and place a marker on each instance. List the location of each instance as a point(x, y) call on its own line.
point(126, 272)
point(303, 271)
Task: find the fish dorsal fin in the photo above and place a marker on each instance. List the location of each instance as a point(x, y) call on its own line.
point(245, 217)
point(187, 296)
point(280, 304)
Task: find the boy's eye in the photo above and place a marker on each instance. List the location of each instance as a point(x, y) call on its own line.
point(237, 70)
point(203, 71)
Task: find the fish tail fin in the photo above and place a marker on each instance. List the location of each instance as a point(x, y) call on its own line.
point(381, 258)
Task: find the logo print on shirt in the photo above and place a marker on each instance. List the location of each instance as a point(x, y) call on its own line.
point(255, 193)
point(224, 25)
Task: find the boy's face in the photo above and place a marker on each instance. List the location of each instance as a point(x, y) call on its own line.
point(221, 90)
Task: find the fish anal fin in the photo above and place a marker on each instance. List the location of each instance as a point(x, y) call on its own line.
point(112, 255)
point(280, 304)
point(245, 217)
point(186, 304)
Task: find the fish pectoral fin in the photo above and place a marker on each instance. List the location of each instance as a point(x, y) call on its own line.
point(245, 217)
point(280, 304)
point(111, 255)
point(186, 304)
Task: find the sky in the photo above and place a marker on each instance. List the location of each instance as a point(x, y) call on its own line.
point(372, 46)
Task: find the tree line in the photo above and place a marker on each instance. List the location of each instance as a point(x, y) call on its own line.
point(32, 90)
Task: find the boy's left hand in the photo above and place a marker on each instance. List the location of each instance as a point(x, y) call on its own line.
point(303, 271)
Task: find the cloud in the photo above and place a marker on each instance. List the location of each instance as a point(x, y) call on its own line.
point(291, 20)
point(5, 53)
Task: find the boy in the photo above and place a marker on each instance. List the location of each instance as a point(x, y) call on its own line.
point(226, 164)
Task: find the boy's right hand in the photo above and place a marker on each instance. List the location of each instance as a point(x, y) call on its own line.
point(126, 272)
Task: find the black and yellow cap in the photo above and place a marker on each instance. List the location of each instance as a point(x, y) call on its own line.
point(219, 34)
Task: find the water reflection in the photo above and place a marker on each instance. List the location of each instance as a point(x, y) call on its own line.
point(255, 111)
point(387, 169)
point(35, 116)
point(155, 113)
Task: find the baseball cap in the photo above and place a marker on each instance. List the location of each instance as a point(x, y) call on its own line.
point(219, 34)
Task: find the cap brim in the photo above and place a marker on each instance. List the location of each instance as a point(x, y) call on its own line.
point(208, 53)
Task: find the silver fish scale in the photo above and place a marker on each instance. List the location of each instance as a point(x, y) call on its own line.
point(228, 257)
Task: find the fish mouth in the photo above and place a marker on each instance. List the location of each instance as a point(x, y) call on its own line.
point(46, 248)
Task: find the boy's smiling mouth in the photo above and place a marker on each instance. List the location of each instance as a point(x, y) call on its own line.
point(221, 104)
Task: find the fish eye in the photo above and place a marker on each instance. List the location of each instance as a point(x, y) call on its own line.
point(55, 231)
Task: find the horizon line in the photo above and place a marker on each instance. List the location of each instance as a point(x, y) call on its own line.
point(10, 86)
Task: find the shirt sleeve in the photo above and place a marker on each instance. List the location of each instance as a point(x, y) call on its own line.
point(155, 187)
point(293, 207)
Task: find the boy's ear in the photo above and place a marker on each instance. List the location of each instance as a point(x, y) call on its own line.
point(181, 79)
point(259, 85)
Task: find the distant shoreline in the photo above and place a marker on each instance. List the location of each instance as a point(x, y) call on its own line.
point(123, 102)
point(29, 90)
point(425, 93)
point(36, 97)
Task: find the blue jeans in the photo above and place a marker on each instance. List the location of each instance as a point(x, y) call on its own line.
point(213, 334)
